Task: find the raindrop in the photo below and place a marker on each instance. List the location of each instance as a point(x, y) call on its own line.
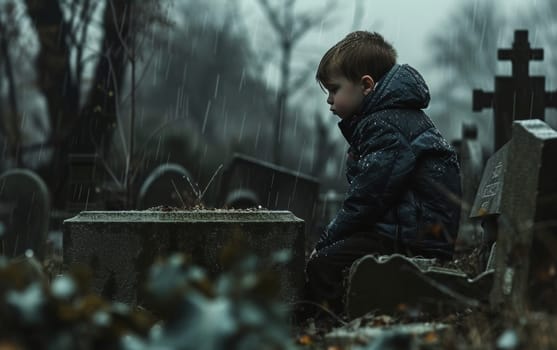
point(242, 127)
point(168, 62)
point(207, 110)
point(242, 79)
point(257, 136)
point(158, 148)
point(215, 94)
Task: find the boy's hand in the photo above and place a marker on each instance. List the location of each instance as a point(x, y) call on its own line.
point(313, 253)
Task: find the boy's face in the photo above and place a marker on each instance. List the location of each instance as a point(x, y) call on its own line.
point(345, 96)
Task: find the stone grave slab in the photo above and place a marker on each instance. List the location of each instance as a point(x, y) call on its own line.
point(167, 185)
point(120, 246)
point(383, 283)
point(525, 259)
point(24, 212)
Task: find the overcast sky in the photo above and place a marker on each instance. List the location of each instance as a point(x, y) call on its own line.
point(407, 24)
point(404, 23)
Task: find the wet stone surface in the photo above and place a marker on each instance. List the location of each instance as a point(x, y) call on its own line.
point(385, 283)
point(119, 246)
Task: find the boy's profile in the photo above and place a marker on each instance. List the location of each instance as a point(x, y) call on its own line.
point(403, 176)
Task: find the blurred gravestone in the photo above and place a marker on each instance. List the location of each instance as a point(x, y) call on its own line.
point(86, 178)
point(526, 258)
point(519, 96)
point(487, 203)
point(24, 212)
point(168, 184)
point(275, 187)
point(471, 163)
point(241, 199)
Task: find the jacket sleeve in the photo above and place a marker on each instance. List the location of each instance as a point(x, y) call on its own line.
point(383, 169)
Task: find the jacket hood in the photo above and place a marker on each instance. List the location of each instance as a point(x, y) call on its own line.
point(401, 87)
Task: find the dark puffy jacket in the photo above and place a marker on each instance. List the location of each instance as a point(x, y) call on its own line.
point(404, 177)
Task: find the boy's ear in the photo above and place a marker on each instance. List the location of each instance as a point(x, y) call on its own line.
point(368, 84)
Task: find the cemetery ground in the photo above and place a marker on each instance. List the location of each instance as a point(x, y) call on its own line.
point(44, 306)
point(229, 279)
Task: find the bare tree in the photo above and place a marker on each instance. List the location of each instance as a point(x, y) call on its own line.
point(82, 110)
point(465, 55)
point(290, 27)
point(9, 125)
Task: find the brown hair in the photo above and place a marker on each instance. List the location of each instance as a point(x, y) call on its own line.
point(358, 54)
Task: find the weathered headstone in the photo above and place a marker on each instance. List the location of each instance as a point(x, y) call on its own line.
point(277, 188)
point(519, 96)
point(241, 199)
point(487, 203)
point(24, 212)
point(385, 283)
point(527, 233)
point(120, 246)
point(471, 164)
point(86, 177)
point(168, 185)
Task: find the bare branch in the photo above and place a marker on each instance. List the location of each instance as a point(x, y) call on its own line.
point(307, 21)
point(119, 30)
point(272, 16)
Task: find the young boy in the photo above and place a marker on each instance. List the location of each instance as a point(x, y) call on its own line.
point(404, 177)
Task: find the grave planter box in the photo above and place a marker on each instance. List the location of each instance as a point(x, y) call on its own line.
point(119, 246)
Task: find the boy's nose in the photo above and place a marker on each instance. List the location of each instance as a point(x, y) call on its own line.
point(330, 99)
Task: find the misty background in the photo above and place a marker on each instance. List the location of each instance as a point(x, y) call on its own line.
point(193, 82)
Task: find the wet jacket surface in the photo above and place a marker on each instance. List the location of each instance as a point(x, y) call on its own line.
point(404, 178)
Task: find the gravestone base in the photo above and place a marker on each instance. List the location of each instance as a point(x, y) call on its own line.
point(387, 283)
point(120, 246)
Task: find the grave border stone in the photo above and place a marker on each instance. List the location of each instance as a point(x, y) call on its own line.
point(120, 245)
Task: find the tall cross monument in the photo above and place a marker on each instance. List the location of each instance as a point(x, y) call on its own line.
point(519, 96)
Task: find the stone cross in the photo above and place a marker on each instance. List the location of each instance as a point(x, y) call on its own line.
point(519, 96)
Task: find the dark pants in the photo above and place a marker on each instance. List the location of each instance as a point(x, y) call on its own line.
point(325, 270)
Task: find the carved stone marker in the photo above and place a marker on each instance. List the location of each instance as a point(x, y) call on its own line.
point(167, 184)
point(487, 204)
point(519, 96)
point(120, 246)
point(24, 212)
point(527, 234)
